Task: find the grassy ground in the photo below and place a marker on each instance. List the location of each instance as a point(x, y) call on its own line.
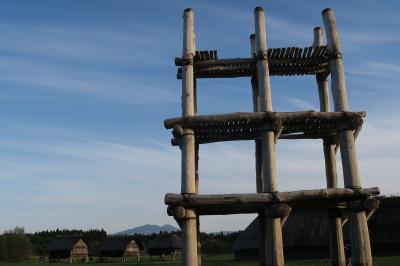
point(223, 260)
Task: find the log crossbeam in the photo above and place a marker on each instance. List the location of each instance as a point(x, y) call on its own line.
point(331, 198)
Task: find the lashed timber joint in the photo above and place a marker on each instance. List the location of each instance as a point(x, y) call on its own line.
point(179, 212)
point(187, 61)
point(335, 54)
point(178, 132)
point(262, 55)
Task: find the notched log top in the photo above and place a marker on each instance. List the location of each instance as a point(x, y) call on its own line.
point(282, 62)
point(249, 126)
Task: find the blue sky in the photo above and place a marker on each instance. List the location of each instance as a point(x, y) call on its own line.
point(85, 87)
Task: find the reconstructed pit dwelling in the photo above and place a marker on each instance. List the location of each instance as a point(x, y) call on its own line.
point(338, 129)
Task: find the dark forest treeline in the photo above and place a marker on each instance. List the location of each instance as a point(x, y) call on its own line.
point(17, 245)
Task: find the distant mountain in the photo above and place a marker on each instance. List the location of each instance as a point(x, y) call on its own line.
point(148, 229)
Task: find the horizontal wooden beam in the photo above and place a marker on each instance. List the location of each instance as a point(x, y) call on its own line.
point(259, 117)
point(265, 199)
point(218, 62)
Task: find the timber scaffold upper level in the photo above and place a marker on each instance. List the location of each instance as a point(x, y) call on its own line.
point(282, 62)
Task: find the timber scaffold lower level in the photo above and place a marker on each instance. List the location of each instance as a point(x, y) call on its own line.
point(249, 126)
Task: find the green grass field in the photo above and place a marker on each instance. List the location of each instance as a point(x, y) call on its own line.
point(223, 260)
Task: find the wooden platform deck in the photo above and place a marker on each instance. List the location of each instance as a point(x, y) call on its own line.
point(249, 126)
point(282, 62)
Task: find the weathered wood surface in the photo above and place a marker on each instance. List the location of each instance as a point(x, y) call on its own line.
point(256, 108)
point(188, 183)
point(271, 228)
point(307, 55)
point(282, 61)
point(260, 117)
point(258, 145)
point(260, 199)
point(250, 126)
point(335, 223)
point(361, 249)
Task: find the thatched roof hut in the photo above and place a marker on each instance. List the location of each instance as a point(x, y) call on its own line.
point(72, 249)
point(305, 233)
point(120, 247)
point(168, 244)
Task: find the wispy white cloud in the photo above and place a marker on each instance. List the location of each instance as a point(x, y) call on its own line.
point(244, 22)
point(87, 44)
point(381, 70)
point(89, 83)
point(299, 103)
point(108, 64)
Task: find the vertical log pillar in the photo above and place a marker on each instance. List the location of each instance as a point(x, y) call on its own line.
point(334, 220)
point(361, 249)
point(197, 181)
point(256, 108)
point(197, 192)
point(188, 184)
point(271, 232)
point(258, 148)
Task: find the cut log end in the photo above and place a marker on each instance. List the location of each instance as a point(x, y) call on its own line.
point(326, 10)
point(258, 9)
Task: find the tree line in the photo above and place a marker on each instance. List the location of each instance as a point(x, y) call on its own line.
point(16, 245)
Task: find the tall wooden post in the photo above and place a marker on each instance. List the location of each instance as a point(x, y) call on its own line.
point(361, 249)
point(188, 184)
point(334, 220)
point(258, 148)
point(197, 181)
point(256, 108)
point(272, 236)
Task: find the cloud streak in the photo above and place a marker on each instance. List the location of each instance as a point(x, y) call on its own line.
point(100, 85)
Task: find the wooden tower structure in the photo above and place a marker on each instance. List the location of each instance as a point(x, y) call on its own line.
point(337, 129)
